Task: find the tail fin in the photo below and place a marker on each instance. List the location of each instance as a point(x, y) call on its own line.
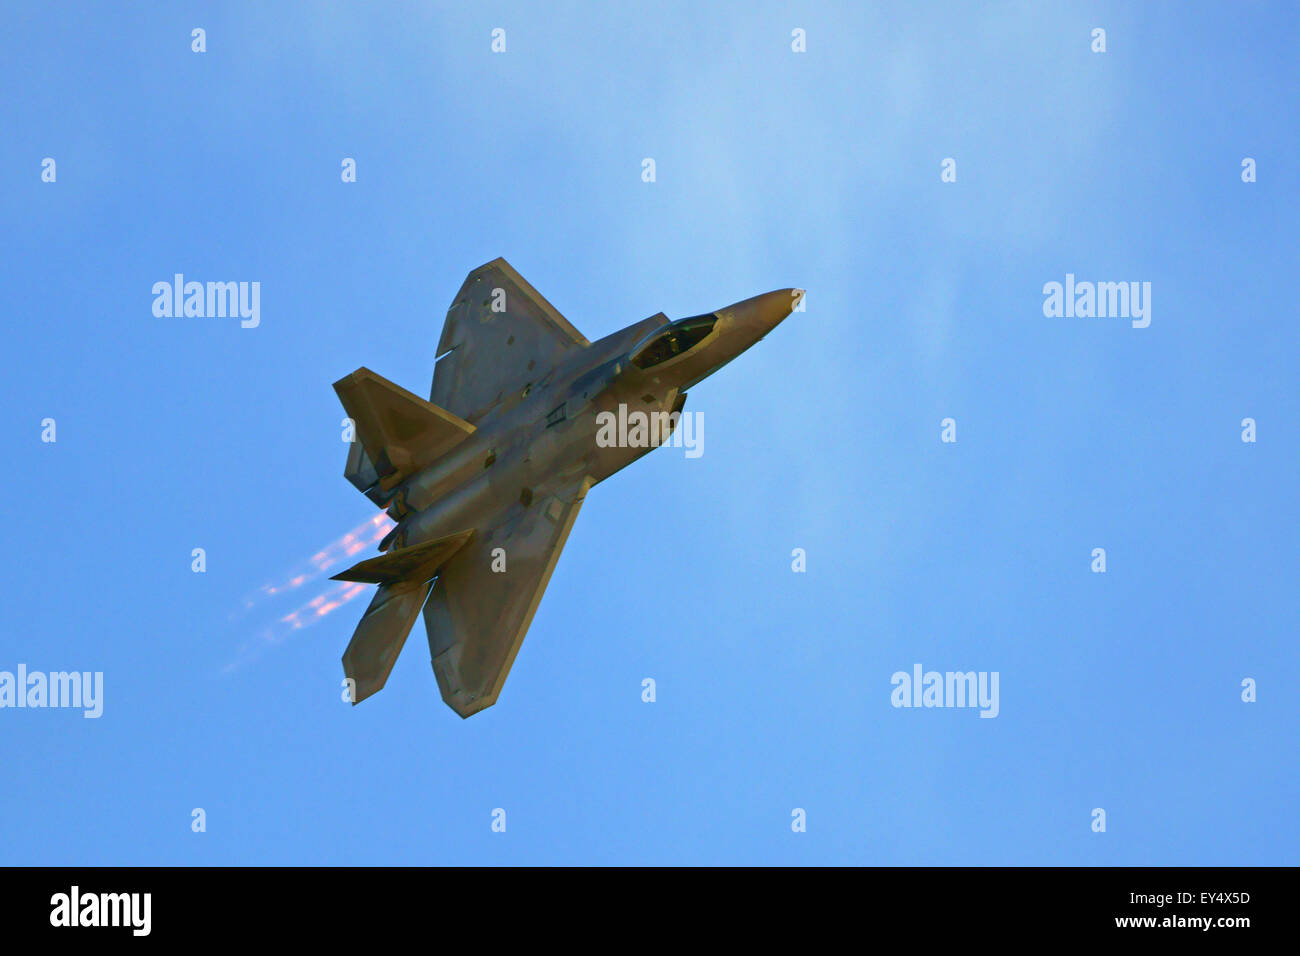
point(419, 562)
point(397, 432)
point(403, 577)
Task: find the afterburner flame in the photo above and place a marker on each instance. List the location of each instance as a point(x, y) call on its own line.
point(332, 597)
point(329, 600)
point(369, 532)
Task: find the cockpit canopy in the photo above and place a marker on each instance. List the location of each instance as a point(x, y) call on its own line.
point(673, 340)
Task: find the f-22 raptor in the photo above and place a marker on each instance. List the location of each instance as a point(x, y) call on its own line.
point(486, 478)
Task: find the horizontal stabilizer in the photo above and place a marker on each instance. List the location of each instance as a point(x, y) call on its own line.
point(417, 563)
point(398, 431)
point(379, 637)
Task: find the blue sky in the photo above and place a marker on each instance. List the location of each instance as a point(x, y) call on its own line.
point(820, 170)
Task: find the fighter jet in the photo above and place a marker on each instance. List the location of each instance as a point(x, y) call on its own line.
point(486, 478)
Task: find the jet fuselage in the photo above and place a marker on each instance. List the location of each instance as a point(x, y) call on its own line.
point(486, 478)
point(548, 428)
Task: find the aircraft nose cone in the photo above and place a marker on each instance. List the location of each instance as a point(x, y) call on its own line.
point(765, 312)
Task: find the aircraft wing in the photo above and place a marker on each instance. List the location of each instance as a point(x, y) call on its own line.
point(485, 354)
point(476, 616)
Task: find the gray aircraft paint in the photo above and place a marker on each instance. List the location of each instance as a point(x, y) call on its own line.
point(499, 460)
